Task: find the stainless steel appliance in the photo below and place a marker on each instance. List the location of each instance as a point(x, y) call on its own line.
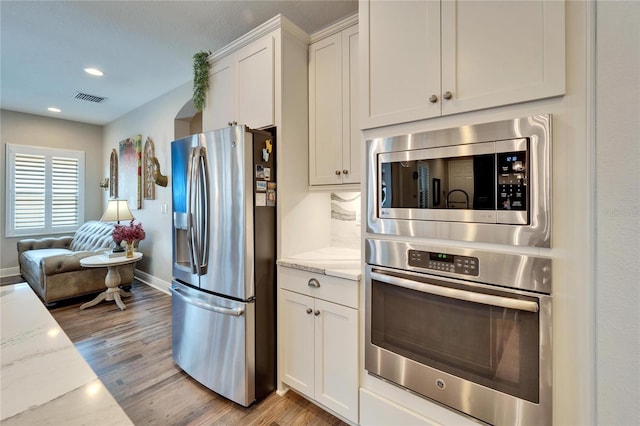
point(467, 328)
point(485, 183)
point(223, 291)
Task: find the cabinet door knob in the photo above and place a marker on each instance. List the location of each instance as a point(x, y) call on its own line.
point(309, 310)
point(314, 283)
point(447, 95)
point(433, 99)
point(316, 313)
point(345, 172)
point(229, 123)
point(337, 172)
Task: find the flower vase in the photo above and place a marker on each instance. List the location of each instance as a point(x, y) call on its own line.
point(129, 249)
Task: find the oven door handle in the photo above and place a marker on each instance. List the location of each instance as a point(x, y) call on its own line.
point(454, 293)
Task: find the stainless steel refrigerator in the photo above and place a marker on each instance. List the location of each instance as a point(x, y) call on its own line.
point(224, 245)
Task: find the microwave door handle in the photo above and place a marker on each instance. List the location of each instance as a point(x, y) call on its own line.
point(454, 293)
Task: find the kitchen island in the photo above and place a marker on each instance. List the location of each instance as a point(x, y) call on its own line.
point(45, 380)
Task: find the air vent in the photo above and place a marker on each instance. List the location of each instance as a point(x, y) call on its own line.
point(89, 98)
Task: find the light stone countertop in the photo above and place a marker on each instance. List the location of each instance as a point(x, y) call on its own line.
point(45, 380)
point(333, 261)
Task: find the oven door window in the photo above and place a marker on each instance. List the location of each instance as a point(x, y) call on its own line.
point(490, 345)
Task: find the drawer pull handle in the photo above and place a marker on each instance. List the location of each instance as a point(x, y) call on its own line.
point(314, 283)
point(316, 313)
point(309, 310)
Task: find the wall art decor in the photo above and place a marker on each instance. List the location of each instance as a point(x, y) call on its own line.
point(158, 177)
point(149, 181)
point(130, 171)
point(113, 174)
point(104, 184)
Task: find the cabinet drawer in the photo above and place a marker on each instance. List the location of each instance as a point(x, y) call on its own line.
point(332, 289)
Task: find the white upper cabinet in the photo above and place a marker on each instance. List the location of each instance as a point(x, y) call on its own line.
point(241, 87)
point(334, 137)
point(325, 111)
point(255, 84)
point(351, 139)
point(457, 56)
point(220, 101)
point(403, 66)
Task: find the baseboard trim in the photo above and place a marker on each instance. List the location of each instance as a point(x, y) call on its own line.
point(9, 272)
point(152, 281)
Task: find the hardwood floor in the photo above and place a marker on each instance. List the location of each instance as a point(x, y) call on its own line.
point(130, 351)
point(13, 279)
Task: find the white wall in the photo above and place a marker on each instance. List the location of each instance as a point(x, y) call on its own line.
point(156, 121)
point(34, 130)
point(617, 315)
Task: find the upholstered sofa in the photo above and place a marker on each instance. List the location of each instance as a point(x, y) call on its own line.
point(52, 268)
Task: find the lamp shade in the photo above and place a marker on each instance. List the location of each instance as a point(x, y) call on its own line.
point(117, 210)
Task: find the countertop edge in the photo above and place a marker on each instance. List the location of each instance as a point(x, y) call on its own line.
point(346, 273)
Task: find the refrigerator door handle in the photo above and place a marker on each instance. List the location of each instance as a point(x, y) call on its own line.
point(203, 220)
point(192, 187)
point(219, 309)
point(198, 211)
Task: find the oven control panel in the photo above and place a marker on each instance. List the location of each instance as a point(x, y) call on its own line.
point(465, 265)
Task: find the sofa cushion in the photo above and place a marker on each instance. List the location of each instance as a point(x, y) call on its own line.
point(92, 236)
point(44, 243)
point(33, 257)
point(30, 267)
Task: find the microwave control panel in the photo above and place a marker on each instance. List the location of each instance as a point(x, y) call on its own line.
point(465, 265)
point(512, 180)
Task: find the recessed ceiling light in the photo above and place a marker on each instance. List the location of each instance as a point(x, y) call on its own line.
point(54, 109)
point(94, 71)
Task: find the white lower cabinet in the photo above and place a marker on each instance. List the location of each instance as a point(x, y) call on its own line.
point(319, 345)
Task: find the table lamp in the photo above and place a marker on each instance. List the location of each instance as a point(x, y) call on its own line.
point(116, 211)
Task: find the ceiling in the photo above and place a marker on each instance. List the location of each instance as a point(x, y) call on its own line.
point(144, 48)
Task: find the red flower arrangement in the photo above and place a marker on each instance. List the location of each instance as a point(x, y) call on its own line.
point(128, 233)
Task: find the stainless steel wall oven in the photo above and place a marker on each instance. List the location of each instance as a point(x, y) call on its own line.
point(467, 328)
point(487, 182)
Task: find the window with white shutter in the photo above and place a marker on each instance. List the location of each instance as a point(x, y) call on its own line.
point(43, 190)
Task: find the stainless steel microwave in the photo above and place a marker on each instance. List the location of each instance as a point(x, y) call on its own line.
point(486, 182)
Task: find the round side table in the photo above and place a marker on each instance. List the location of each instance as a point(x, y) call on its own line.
point(112, 280)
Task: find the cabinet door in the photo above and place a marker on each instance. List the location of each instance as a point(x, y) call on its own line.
point(351, 141)
point(336, 344)
point(497, 53)
point(255, 83)
point(298, 341)
point(219, 108)
point(325, 111)
point(401, 61)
